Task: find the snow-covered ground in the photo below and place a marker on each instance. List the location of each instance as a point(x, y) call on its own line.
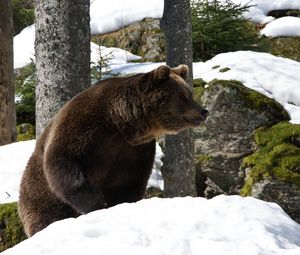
point(24, 50)
point(224, 225)
point(258, 12)
point(113, 55)
point(13, 159)
point(121, 13)
point(285, 26)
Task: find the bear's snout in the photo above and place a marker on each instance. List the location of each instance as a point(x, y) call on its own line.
point(196, 116)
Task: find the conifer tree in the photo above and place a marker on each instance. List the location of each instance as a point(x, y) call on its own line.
point(179, 171)
point(221, 27)
point(62, 44)
point(7, 102)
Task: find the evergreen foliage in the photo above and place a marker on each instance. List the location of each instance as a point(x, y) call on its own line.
point(101, 69)
point(23, 14)
point(221, 27)
point(25, 94)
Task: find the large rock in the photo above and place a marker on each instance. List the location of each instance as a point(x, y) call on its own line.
point(221, 144)
point(286, 194)
point(143, 38)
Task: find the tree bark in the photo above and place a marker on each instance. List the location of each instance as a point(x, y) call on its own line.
point(178, 168)
point(62, 55)
point(7, 92)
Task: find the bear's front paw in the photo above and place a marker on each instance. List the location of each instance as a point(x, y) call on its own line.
point(86, 199)
point(100, 203)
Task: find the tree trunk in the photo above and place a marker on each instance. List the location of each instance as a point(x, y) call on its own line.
point(62, 55)
point(7, 93)
point(179, 170)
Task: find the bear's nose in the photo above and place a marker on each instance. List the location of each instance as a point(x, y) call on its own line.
point(204, 113)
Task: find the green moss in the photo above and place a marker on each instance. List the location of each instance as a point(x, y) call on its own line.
point(215, 67)
point(199, 87)
point(227, 83)
point(153, 192)
point(260, 102)
point(11, 230)
point(278, 156)
point(202, 159)
point(199, 83)
point(247, 188)
point(109, 40)
point(225, 69)
point(25, 132)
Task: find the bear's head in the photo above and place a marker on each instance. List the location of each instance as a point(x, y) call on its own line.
point(170, 99)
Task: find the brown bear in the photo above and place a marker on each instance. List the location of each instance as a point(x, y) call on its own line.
point(99, 149)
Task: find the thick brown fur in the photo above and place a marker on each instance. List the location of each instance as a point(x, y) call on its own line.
point(99, 149)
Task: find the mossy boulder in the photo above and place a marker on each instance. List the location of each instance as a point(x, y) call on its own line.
point(235, 111)
point(142, 38)
point(11, 230)
point(273, 170)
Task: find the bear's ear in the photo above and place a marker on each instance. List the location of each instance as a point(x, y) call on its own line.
point(161, 73)
point(182, 71)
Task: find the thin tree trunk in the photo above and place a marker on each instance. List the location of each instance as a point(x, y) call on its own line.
point(62, 55)
point(7, 92)
point(179, 170)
